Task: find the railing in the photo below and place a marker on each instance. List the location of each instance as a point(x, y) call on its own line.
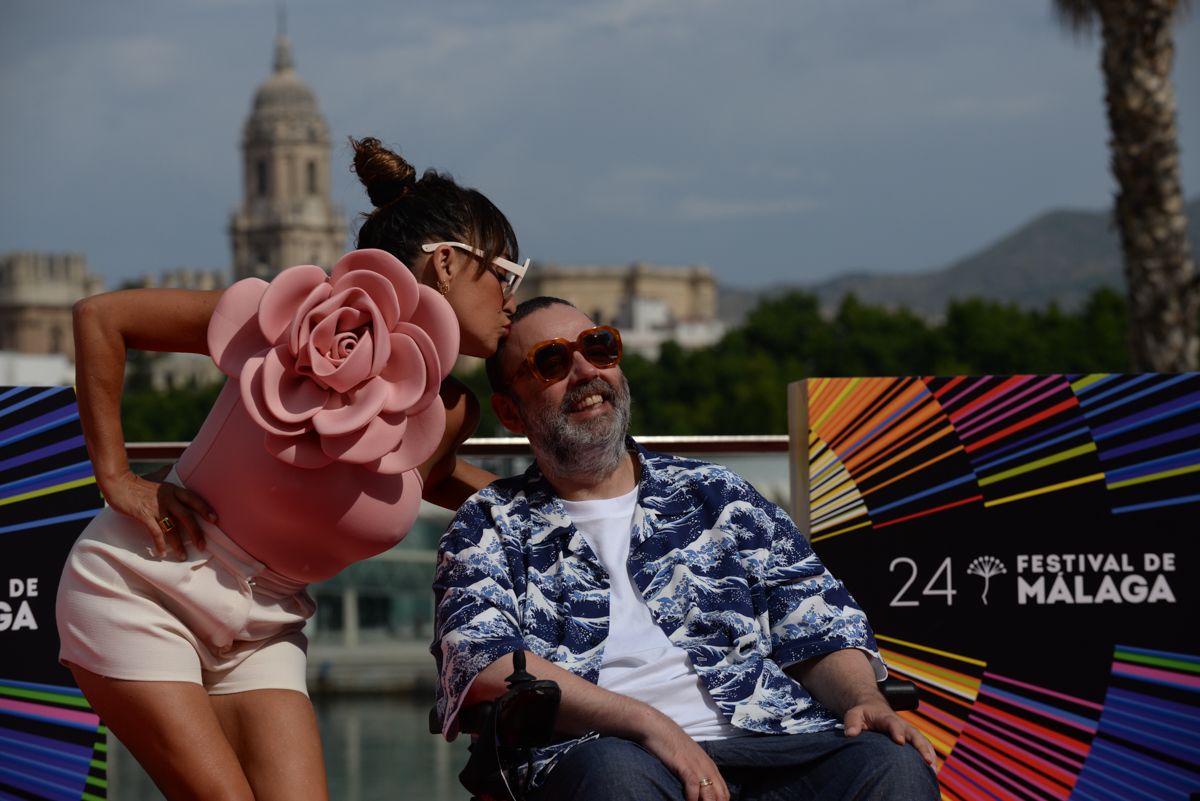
point(519, 446)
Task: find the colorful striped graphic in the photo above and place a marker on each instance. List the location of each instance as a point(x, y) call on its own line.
point(52, 746)
point(1002, 533)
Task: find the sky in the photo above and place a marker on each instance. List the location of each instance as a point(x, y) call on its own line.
point(775, 141)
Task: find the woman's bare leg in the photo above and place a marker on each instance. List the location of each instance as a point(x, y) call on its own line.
point(170, 727)
point(274, 734)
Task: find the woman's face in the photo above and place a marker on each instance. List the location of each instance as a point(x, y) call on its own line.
point(477, 297)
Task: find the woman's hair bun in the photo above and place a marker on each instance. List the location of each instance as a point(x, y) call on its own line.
point(386, 175)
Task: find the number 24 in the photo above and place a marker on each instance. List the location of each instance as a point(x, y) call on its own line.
point(945, 567)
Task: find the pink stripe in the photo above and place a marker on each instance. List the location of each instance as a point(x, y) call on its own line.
point(50, 712)
point(949, 721)
point(1043, 691)
point(979, 415)
point(958, 778)
point(1042, 713)
point(975, 428)
point(1154, 674)
point(998, 730)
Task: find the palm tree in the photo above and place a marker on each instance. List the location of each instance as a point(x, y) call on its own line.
point(1161, 279)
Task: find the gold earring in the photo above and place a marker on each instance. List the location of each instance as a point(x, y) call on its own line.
point(443, 287)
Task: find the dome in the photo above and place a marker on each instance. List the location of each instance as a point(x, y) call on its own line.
point(284, 92)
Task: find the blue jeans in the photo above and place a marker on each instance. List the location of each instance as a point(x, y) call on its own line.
point(787, 767)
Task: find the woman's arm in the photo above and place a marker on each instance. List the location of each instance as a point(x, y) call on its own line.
point(450, 480)
point(105, 326)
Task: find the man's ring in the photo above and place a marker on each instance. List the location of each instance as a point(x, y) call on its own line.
point(166, 524)
point(705, 781)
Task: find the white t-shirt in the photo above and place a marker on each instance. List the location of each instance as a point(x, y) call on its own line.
point(639, 660)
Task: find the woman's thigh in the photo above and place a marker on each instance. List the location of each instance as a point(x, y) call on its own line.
point(274, 734)
point(172, 730)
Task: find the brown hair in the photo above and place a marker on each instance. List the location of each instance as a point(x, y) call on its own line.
point(411, 211)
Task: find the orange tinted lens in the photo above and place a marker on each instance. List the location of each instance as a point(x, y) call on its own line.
point(552, 361)
point(600, 348)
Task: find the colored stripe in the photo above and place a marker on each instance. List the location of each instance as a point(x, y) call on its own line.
point(1157, 386)
point(1041, 444)
point(1183, 458)
point(75, 470)
point(1129, 482)
point(50, 688)
point(840, 531)
point(1045, 461)
point(41, 453)
point(928, 512)
point(1090, 382)
point(928, 650)
point(1044, 691)
point(931, 491)
point(1120, 386)
point(1137, 507)
point(1045, 710)
point(49, 521)
point(1043, 490)
point(28, 496)
point(53, 698)
point(1162, 412)
point(67, 717)
point(1070, 403)
point(7, 410)
point(1142, 444)
point(1158, 676)
point(1164, 658)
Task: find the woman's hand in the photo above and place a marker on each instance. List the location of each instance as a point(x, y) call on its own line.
point(167, 511)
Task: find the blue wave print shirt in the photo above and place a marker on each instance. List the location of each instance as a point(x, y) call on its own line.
point(726, 575)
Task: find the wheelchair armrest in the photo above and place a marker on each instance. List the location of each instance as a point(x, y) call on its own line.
point(901, 695)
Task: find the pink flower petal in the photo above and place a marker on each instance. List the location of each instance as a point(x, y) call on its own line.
point(370, 442)
point(302, 318)
point(233, 332)
point(436, 318)
point(284, 296)
point(348, 413)
point(255, 402)
point(351, 371)
point(420, 442)
point(405, 374)
point(429, 355)
point(302, 451)
point(378, 289)
point(387, 265)
point(290, 396)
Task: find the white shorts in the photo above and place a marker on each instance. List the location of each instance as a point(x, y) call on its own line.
point(219, 618)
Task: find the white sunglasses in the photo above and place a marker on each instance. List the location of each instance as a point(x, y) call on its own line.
point(512, 272)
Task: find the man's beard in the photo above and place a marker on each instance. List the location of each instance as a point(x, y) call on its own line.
point(590, 448)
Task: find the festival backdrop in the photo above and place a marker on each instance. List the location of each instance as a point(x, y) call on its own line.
point(52, 745)
point(1026, 549)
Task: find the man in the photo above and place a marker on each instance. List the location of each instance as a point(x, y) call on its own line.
point(701, 647)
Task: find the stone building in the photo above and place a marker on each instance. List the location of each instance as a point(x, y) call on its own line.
point(287, 215)
point(649, 303)
point(37, 291)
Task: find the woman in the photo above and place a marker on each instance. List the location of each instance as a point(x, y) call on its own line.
point(181, 607)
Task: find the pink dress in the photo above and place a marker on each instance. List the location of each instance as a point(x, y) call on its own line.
point(309, 455)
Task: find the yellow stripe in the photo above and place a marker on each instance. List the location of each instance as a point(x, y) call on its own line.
point(1040, 463)
point(1129, 482)
point(929, 650)
point(1087, 381)
point(1043, 490)
point(836, 402)
point(83, 482)
point(842, 531)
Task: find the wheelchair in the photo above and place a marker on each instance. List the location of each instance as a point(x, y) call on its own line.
point(505, 731)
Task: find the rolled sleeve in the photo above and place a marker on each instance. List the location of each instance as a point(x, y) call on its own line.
point(476, 615)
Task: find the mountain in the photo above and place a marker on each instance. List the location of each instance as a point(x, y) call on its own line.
point(1061, 256)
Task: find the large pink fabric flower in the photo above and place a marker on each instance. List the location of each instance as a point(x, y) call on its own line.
point(343, 367)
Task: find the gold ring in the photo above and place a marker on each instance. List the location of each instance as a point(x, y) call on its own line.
point(705, 781)
point(166, 524)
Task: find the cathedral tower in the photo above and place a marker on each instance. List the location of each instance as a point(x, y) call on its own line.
point(287, 215)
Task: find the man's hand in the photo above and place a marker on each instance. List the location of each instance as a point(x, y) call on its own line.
point(878, 716)
point(844, 682)
point(701, 779)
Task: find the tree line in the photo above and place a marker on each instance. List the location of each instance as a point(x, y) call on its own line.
point(739, 384)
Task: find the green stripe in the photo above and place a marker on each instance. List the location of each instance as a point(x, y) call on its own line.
point(1158, 661)
point(41, 695)
point(102, 747)
point(100, 764)
point(101, 783)
point(89, 797)
point(1129, 482)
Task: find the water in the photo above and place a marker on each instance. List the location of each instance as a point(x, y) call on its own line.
point(377, 748)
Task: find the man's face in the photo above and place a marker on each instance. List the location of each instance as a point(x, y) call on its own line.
point(579, 422)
